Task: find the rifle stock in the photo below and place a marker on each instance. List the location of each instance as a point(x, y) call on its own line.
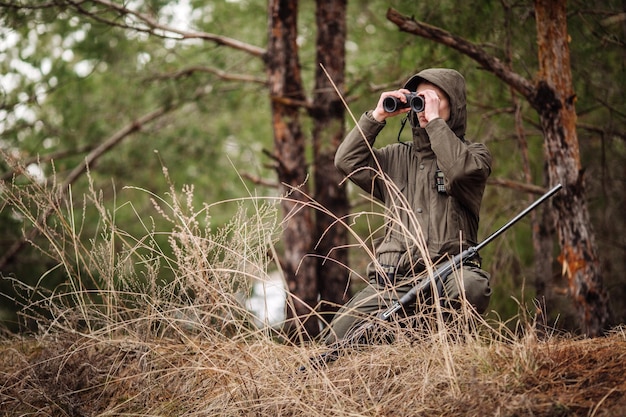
point(440, 273)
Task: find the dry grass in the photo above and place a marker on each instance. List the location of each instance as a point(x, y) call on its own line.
point(75, 375)
point(130, 345)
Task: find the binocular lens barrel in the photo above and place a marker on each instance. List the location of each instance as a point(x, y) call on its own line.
point(392, 104)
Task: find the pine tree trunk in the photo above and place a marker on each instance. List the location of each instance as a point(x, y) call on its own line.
point(328, 131)
point(554, 100)
point(287, 96)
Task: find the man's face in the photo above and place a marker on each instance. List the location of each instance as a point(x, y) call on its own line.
point(444, 103)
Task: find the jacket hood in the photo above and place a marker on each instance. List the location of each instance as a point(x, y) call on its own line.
point(453, 84)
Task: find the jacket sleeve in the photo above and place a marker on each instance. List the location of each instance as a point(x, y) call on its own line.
point(357, 159)
point(466, 166)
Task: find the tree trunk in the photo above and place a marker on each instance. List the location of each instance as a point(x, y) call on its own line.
point(287, 96)
point(328, 130)
point(554, 100)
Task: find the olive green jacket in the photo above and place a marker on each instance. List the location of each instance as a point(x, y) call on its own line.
point(402, 176)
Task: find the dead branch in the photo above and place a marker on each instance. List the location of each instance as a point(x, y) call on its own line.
point(46, 158)
point(518, 186)
point(13, 5)
point(186, 72)
point(260, 181)
point(601, 131)
point(478, 54)
point(152, 26)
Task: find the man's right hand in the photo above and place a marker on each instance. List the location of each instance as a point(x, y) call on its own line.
point(379, 114)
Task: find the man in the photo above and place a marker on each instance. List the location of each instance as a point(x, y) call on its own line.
point(432, 190)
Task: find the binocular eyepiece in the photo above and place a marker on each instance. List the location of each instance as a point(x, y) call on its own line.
point(391, 104)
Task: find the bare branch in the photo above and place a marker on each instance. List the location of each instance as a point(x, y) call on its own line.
point(518, 186)
point(291, 102)
point(478, 54)
point(100, 150)
point(13, 5)
point(215, 71)
point(46, 158)
point(601, 130)
point(153, 27)
point(260, 181)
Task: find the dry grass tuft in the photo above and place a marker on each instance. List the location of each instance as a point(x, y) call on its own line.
point(76, 375)
point(120, 340)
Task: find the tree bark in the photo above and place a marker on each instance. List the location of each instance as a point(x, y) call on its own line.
point(285, 84)
point(328, 112)
point(554, 100)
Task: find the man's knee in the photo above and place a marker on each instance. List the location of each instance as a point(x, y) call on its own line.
point(364, 304)
point(476, 288)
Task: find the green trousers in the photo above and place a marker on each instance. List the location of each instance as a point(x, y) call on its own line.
point(375, 298)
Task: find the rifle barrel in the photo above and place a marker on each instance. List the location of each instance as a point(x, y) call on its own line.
point(518, 217)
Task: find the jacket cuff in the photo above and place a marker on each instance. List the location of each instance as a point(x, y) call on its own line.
point(369, 125)
point(435, 125)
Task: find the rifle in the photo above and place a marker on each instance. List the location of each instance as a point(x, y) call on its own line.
point(441, 273)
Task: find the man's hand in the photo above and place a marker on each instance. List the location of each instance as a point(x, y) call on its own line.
point(379, 113)
point(431, 106)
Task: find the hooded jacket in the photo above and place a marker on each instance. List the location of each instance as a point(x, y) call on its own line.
point(402, 176)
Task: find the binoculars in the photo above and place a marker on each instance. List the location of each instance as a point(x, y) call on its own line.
point(391, 104)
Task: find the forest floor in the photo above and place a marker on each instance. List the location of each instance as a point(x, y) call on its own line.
point(86, 375)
